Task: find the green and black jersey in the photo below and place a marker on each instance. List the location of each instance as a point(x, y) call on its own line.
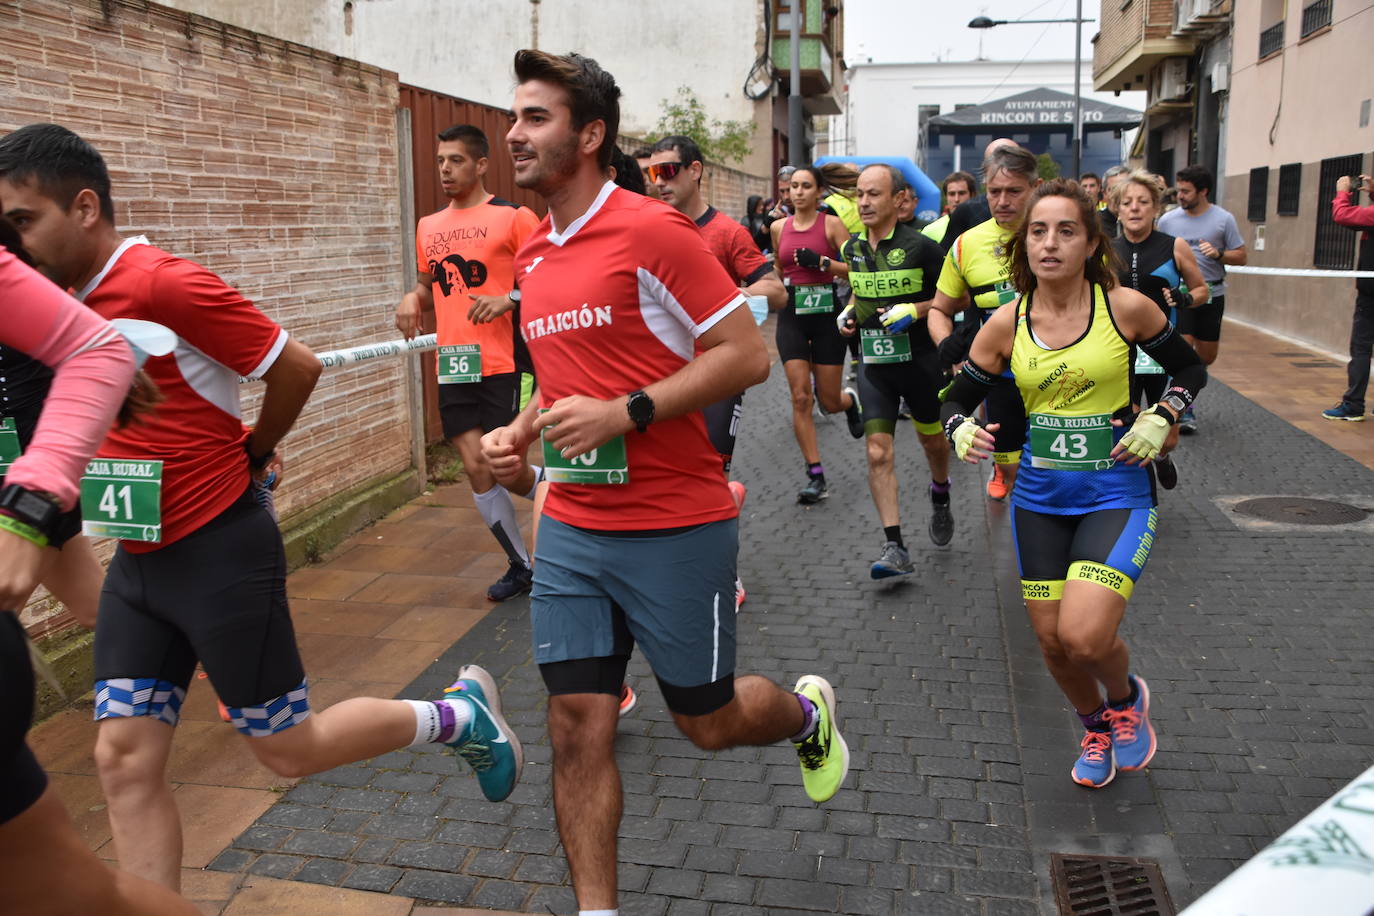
point(904, 268)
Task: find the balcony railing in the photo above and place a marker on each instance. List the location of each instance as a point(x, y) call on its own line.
point(1315, 16)
point(1271, 40)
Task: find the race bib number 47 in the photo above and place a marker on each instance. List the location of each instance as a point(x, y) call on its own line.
point(122, 499)
point(1071, 443)
point(460, 365)
point(814, 300)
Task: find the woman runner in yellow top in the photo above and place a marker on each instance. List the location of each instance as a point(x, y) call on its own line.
point(1083, 507)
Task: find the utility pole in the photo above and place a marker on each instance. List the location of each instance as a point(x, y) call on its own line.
point(796, 123)
point(1078, 93)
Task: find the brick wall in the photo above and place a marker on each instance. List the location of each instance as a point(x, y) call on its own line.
point(1123, 26)
point(272, 164)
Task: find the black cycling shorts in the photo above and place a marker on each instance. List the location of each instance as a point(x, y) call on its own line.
point(1203, 322)
point(484, 405)
point(882, 387)
point(1108, 547)
point(22, 780)
point(722, 423)
point(217, 595)
point(813, 338)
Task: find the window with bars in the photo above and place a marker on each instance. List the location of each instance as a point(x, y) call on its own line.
point(1290, 188)
point(1271, 40)
point(1316, 15)
point(1335, 245)
point(1259, 194)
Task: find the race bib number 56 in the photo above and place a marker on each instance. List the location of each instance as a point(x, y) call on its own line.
point(460, 365)
point(122, 499)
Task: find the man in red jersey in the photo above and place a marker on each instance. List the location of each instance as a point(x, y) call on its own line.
point(466, 253)
point(633, 328)
point(200, 573)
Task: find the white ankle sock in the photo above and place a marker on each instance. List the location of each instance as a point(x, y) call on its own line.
point(498, 512)
point(429, 719)
point(615, 912)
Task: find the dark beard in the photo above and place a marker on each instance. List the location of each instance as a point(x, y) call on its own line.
point(555, 167)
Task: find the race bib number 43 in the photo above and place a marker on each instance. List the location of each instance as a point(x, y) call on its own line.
point(814, 300)
point(880, 347)
point(122, 499)
point(9, 444)
point(460, 365)
point(1071, 443)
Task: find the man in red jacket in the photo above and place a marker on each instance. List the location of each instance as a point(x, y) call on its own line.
point(1345, 213)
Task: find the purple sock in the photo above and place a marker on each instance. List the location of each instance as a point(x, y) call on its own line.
point(1093, 721)
point(939, 487)
point(447, 722)
point(809, 718)
point(815, 470)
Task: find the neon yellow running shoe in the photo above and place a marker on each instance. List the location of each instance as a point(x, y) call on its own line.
point(823, 755)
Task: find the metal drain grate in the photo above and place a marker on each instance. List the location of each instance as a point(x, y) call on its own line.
point(1300, 510)
point(1109, 886)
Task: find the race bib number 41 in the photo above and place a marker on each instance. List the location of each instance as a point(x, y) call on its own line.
point(9, 444)
point(814, 300)
point(1071, 443)
point(122, 499)
point(460, 365)
point(880, 347)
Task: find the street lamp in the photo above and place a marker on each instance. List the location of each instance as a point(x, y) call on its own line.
point(983, 22)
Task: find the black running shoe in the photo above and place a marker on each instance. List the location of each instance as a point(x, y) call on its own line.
point(814, 491)
point(1166, 472)
point(854, 415)
point(516, 581)
point(941, 523)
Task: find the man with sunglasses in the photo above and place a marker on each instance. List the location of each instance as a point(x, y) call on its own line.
point(676, 168)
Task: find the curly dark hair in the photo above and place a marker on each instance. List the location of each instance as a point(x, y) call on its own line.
point(1099, 269)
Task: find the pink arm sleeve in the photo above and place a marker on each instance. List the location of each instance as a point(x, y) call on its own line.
point(94, 368)
point(1345, 213)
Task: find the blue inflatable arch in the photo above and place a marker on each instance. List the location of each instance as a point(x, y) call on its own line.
point(927, 192)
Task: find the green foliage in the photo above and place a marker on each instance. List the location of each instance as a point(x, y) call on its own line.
point(721, 141)
point(1047, 166)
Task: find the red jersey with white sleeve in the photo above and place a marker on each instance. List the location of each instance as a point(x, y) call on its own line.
point(195, 432)
point(609, 305)
point(94, 368)
point(733, 248)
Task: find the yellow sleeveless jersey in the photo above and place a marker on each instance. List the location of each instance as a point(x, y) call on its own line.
point(1071, 395)
point(977, 264)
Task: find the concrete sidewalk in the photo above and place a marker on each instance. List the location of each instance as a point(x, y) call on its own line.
point(1256, 645)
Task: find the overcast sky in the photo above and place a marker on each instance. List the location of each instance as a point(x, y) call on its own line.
point(928, 30)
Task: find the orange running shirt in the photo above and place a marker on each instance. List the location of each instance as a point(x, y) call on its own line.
point(472, 252)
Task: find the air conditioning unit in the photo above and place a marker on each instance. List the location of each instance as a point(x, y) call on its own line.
point(1171, 80)
point(1221, 76)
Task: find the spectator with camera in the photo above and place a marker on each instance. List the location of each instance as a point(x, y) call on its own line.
point(1345, 211)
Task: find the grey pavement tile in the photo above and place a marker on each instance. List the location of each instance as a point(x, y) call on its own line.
point(1255, 648)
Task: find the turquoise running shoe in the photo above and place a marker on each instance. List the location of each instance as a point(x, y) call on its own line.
point(487, 743)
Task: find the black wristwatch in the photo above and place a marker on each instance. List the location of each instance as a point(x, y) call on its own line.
point(256, 463)
point(37, 509)
point(641, 410)
point(1173, 401)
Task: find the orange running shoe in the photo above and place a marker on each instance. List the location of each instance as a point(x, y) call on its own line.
point(738, 491)
point(997, 485)
point(628, 699)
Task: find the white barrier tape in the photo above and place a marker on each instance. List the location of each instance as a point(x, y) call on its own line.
point(1324, 863)
point(332, 359)
point(1300, 272)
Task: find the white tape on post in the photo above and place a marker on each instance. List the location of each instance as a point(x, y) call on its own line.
point(1301, 272)
point(1323, 864)
point(331, 359)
